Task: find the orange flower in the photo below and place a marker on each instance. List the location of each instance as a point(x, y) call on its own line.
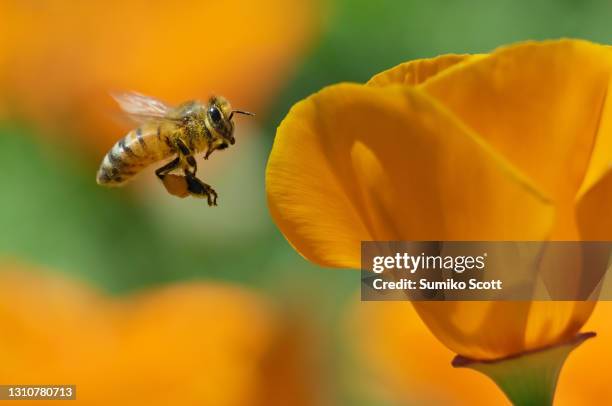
point(60, 60)
point(192, 343)
point(514, 145)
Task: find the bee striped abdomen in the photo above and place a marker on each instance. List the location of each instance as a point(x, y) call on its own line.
point(137, 150)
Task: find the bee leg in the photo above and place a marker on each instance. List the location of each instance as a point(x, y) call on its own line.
point(209, 149)
point(185, 154)
point(169, 167)
point(197, 188)
point(212, 147)
point(176, 185)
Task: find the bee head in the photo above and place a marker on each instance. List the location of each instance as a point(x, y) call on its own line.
point(220, 114)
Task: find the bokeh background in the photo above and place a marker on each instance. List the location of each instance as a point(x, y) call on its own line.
point(59, 60)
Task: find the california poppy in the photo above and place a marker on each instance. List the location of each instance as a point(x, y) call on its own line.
point(513, 145)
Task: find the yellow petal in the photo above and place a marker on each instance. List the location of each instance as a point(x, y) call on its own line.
point(593, 208)
point(594, 198)
point(354, 163)
point(538, 104)
point(493, 330)
point(418, 71)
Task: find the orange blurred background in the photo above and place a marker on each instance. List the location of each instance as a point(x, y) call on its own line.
point(137, 296)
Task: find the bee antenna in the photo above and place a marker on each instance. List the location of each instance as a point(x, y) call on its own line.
point(246, 113)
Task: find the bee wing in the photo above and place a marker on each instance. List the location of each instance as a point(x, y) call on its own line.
point(142, 108)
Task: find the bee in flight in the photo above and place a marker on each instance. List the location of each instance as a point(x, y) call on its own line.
point(170, 132)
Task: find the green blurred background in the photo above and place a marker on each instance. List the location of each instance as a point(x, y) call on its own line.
point(53, 214)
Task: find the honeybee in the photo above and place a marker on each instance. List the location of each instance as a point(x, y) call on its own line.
point(170, 132)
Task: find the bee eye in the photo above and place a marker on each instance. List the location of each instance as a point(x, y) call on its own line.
point(215, 114)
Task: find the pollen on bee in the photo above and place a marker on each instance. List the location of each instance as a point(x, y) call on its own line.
point(176, 185)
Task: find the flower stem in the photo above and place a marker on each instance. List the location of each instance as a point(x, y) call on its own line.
point(529, 378)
